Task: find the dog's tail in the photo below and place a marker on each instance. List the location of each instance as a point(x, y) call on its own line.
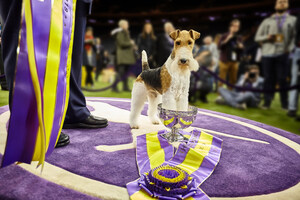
point(145, 65)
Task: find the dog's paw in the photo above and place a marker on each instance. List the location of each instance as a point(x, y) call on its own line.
point(134, 126)
point(155, 120)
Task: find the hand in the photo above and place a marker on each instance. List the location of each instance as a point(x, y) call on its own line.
point(246, 75)
point(240, 45)
point(271, 38)
point(132, 42)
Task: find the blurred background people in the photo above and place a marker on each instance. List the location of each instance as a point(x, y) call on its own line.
point(102, 57)
point(125, 56)
point(147, 41)
point(276, 34)
point(89, 55)
point(213, 49)
point(201, 82)
point(231, 47)
point(293, 94)
point(164, 44)
point(239, 99)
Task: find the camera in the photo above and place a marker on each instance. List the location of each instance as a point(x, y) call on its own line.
point(252, 75)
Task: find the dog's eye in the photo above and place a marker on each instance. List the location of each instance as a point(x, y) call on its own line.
point(189, 42)
point(177, 43)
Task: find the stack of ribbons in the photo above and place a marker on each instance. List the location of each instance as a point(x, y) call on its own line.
point(41, 85)
point(169, 176)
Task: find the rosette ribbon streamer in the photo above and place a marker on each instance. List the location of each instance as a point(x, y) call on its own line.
point(41, 86)
point(169, 176)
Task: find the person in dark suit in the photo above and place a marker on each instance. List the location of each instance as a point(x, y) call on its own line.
point(164, 44)
point(78, 116)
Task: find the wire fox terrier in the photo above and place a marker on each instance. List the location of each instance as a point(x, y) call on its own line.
point(168, 84)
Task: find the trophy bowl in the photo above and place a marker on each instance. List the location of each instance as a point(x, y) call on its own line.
point(176, 121)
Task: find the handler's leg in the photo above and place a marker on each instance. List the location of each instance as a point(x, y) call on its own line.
point(77, 110)
point(10, 12)
point(78, 116)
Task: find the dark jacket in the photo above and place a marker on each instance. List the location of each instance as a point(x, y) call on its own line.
point(164, 46)
point(228, 49)
point(124, 49)
point(297, 39)
point(148, 44)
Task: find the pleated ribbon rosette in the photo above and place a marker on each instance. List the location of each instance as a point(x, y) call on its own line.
point(171, 176)
point(41, 85)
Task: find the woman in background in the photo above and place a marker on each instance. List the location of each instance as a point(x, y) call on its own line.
point(89, 55)
point(147, 41)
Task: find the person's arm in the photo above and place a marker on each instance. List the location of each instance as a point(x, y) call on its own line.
point(242, 80)
point(215, 52)
point(122, 41)
point(262, 34)
point(291, 44)
point(224, 40)
point(240, 45)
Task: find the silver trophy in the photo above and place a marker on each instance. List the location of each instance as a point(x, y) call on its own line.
point(176, 121)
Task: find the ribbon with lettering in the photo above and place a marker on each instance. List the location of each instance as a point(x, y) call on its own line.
point(165, 175)
point(41, 85)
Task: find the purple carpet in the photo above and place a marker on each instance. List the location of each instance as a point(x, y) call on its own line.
point(245, 169)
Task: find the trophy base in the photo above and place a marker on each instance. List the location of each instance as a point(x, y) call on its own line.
point(174, 136)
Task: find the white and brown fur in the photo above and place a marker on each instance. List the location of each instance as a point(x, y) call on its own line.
point(168, 84)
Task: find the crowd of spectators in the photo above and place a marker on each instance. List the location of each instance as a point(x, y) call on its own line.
point(251, 67)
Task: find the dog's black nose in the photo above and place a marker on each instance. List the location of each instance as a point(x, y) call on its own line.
point(183, 61)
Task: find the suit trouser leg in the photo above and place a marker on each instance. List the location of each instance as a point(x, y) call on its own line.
point(282, 69)
point(10, 12)
point(270, 78)
point(77, 110)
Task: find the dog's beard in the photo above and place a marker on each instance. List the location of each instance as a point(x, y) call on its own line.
point(194, 65)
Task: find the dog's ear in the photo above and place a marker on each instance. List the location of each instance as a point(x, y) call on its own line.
point(174, 34)
point(194, 34)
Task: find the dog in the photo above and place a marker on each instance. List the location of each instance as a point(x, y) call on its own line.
point(168, 84)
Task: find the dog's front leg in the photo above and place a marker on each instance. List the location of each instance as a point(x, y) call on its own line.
point(154, 99)
point(183, 102)
point(169, 101)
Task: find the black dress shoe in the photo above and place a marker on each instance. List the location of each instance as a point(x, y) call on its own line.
point(292, 113)
point(90, 122)
point(63, 140)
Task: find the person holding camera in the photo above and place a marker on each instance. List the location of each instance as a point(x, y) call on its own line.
point(243, 99)
point(276, 34)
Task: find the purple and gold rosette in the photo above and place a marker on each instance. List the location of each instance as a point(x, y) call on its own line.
point(165, 175)
point(168, 181)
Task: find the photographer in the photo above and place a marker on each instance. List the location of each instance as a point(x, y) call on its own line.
point(240, 99)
